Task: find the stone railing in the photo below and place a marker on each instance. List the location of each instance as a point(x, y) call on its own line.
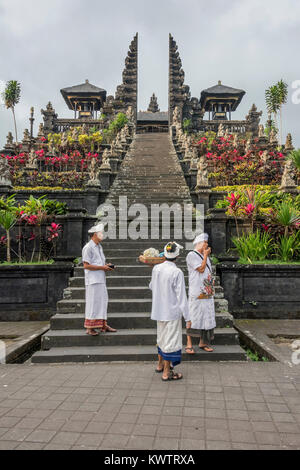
point(240, 127)
point(63, 125)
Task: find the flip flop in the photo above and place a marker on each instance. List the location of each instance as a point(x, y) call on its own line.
point(190, 349)
point(206, 349)
point(173, 376)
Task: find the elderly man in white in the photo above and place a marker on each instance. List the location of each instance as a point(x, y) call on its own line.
point(201, 295)
point(95, 269)
point(169, 304)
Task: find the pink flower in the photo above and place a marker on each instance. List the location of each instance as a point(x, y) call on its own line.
point(249, 209)
point(265, 227)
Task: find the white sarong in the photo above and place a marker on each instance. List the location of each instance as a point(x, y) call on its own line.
point(96, 303)
point(169, 335)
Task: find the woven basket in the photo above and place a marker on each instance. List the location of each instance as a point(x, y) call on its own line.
point(152, 260)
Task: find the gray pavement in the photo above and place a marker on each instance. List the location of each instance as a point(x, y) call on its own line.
point(126, 406)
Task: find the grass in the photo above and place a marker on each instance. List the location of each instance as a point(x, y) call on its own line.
point(269, 261)
point(28, 263)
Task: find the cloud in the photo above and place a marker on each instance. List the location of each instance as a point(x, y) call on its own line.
point(247, 44)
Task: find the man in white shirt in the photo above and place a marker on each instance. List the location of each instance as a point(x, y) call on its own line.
point(169, 304)
point(95, 269)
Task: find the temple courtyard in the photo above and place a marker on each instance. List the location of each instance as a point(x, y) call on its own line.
point(126, 406)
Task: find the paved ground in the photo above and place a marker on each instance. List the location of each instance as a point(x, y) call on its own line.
point(20, 336)
point(272, 337)
point(126, 406)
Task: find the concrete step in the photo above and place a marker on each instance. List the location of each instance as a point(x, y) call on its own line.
point(131, 353)
point(75, 321)
point(130, 337)
point(122, 305)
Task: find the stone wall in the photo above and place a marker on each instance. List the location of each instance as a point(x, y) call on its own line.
point(31, 292)
point(261, 291)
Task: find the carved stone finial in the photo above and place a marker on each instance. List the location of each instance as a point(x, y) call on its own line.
point(32, 160)
point(288, 180)
point(289, 143)
point(221, 131)
point(153, 105)
point(5, 176)
point(202, 174)
point(261, 131)
point(9, 139)
point(273, 137)
point(93, 173)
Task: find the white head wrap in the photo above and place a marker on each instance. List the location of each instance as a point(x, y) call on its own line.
point(203, 237)
point(175, 254)
point(97, 228)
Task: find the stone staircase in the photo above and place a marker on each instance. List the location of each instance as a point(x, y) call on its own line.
point(149, 173)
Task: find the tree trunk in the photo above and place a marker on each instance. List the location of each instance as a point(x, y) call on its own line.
point(16, 132)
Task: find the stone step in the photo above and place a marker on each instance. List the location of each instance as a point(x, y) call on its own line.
point(75, 321)
point(125, 292)
point(122, 305)
point(131, 337)
point(131, 353)
point(123, 281)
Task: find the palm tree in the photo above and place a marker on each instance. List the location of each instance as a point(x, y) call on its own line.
point(295, 156)
point(272, 101)
point(11, 97)
point(282, 95)
point(7, 221)
point(276, 97)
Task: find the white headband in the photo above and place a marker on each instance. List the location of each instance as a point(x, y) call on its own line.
point(203, 237)
point(97, 228)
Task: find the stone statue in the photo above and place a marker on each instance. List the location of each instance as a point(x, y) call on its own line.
point(202, 174)
point(64, 140)
point(32, 160)
point(26, 135)
point(5, 176)
point(130, 114)
point(221, 131)
point(41, 131)
point(84, 129)
point(288, 183)
point(227, 133)
point(105, 161)
point(265, 156)
point(273, 137)
point(235, 140)
point(289, 143)
point(93, 173)
point(194, 159)
point(248, 146)
point(261, 131)
point(75, 134)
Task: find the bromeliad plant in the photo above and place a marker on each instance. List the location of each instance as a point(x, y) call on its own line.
point(31, 221)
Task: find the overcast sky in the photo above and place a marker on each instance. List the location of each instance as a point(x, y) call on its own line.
point(248, 44)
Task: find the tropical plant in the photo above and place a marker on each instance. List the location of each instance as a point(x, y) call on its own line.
point(294, 155)
point(288, 247)
point(11, 97)
point(287, 216)
point(187, 123)
point(7, 221)
point(255, 246)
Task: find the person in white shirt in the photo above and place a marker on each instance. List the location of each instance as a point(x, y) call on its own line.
point(95, 269)
point(201, 295)
point(169, 304)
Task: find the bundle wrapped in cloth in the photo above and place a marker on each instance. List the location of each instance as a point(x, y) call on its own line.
point(152, 256)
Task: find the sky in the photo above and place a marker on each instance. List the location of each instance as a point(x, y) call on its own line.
point(247, 44)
